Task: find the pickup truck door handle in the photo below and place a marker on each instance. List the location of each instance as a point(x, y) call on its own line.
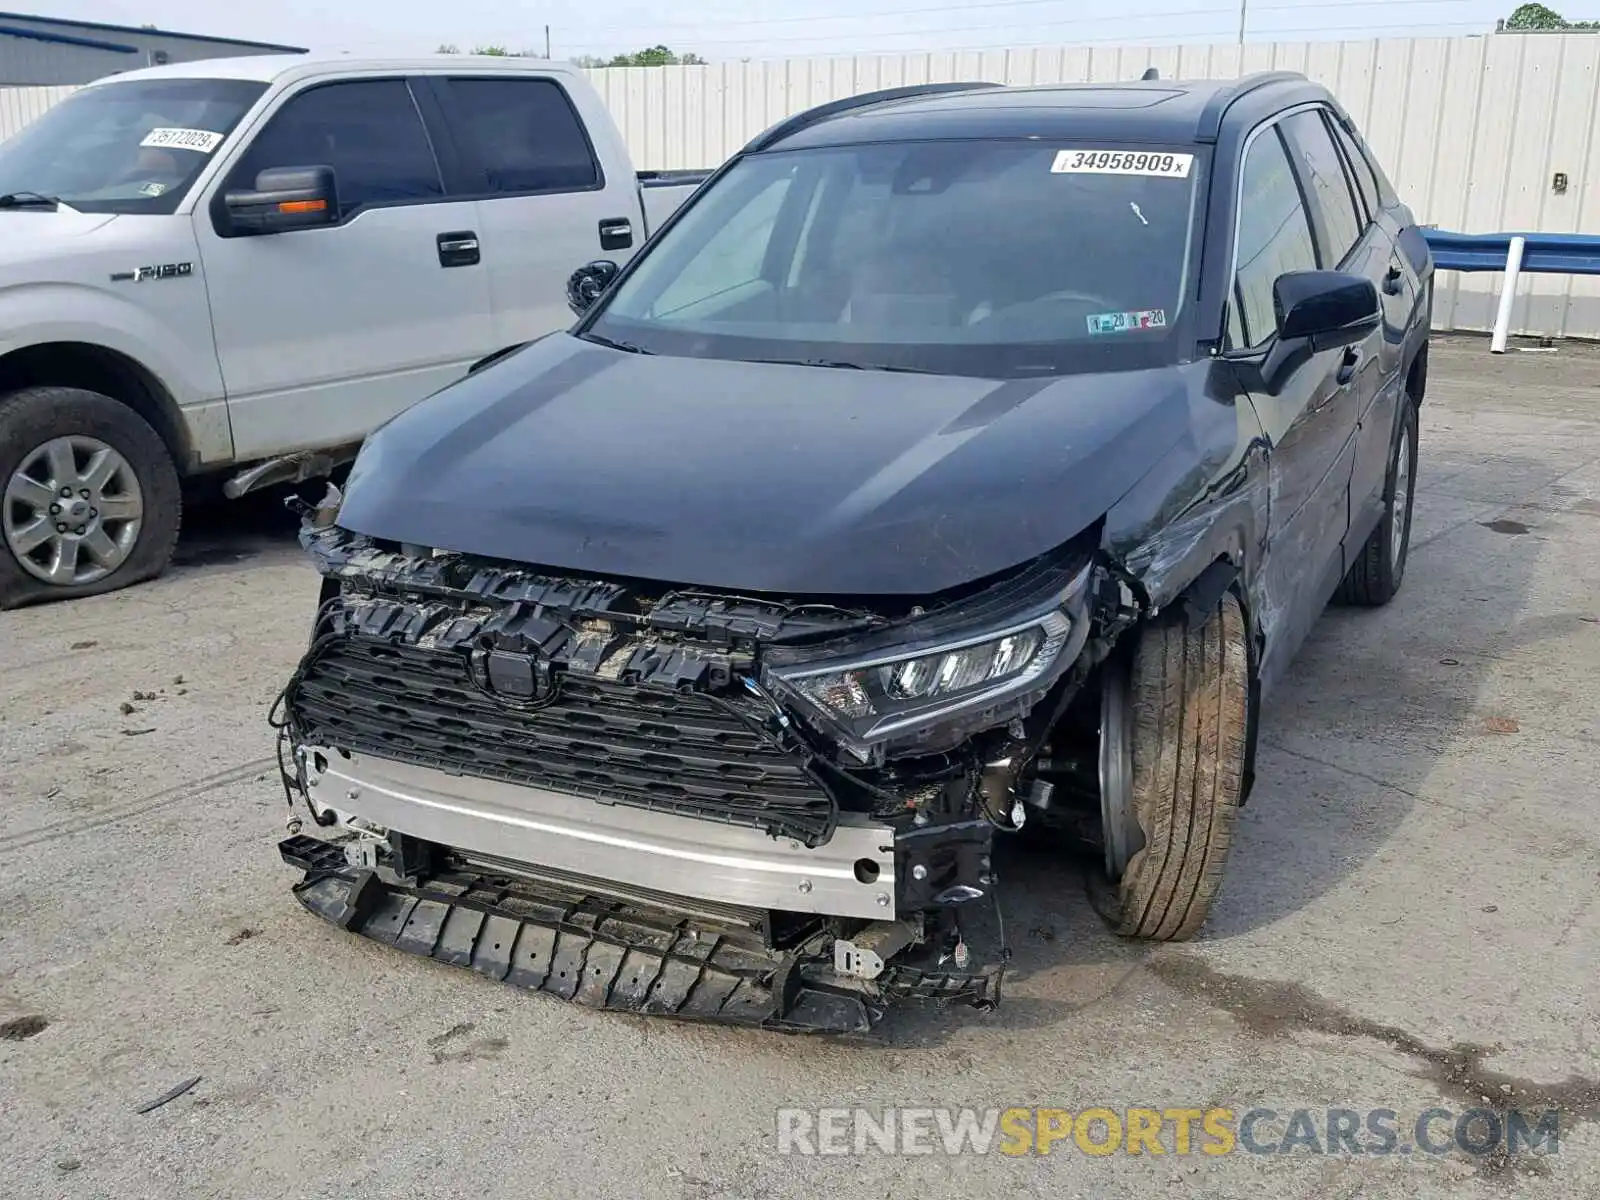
point(458, 249)
point(616, 233)
point(1347, 366)
point(1391, 280)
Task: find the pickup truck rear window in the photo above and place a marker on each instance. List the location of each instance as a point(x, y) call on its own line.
point(993, 258)
point(133, 147)
point(525, 134)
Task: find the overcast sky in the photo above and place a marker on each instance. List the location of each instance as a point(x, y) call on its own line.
point(729, 29)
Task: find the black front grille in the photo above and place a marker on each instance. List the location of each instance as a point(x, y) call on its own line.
point(656, 748)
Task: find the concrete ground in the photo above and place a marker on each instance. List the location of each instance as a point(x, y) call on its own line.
point(1411, 918)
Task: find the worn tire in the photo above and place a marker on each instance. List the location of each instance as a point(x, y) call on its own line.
point(1380, 567)
point(1189, 695)
point(33, 416)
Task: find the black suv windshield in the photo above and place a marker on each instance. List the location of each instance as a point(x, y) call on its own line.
point(130, 147)
point(990, 258)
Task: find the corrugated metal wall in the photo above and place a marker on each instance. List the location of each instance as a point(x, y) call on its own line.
point(20, 105)
point(1472, 130)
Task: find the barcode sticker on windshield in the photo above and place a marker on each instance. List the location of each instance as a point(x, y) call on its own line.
point(202, 141)
point(1122, 162)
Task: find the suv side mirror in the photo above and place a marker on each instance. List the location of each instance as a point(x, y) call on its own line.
point(1326, 308)
point(285, 198)
point(588, 282)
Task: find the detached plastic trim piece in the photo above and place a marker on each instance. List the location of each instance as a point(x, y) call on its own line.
point(597, 953)
point(621, 957)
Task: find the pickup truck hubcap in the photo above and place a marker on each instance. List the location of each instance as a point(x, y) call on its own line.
point(72, 512)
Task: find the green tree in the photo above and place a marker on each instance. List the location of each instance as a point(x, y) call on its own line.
point(491, 51)
point(1538, 17)
point(652, 56)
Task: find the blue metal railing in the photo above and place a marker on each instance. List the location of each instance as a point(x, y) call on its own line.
point(1549, 253)
point(1514, 253)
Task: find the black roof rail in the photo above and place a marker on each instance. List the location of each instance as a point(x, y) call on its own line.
point(1150, 73)
point(833, 108)
point(1216, 107)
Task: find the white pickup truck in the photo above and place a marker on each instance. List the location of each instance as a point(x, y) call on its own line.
point(250, 264)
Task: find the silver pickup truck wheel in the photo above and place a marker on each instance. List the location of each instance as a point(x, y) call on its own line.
point(89, 496)
point(73, 511)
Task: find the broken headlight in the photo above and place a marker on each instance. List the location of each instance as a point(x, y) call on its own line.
point(894, 694)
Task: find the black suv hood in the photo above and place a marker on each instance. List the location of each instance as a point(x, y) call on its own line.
point(759, 477)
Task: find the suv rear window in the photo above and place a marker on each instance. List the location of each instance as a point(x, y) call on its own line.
point(1360, 167)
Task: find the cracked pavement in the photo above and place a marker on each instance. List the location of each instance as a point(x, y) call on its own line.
point(1411, 917)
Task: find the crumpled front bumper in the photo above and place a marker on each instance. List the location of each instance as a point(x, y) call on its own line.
point(604, 953)
point(620, 908)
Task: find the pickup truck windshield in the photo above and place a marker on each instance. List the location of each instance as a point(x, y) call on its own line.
point(988, 258)
point(130, 147)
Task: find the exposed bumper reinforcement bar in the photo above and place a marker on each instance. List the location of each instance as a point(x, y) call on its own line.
point(852, 875)
point(604, 954)
point(289, 468)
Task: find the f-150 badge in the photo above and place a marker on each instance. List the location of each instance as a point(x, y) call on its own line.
point(145, 274)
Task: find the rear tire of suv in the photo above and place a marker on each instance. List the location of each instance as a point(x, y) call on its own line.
point(1380, 567)
point(1187, 717)
point(89, 496)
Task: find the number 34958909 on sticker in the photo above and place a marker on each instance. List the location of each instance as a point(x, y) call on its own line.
point(1158, 163)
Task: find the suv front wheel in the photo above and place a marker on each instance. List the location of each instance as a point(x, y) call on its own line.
point(1173, 743)
point(90, 500)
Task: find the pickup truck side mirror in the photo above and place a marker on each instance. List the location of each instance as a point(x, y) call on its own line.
point(1328, 309)
point(285, 198)
point(588, 282)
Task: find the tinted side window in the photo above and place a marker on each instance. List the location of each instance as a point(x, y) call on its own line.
point(1333, 205)
point(1274, 238)
point(368, 132)
point(526, 135)
point(1366, 181)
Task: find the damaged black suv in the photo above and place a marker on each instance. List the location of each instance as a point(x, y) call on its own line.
point(959, 457)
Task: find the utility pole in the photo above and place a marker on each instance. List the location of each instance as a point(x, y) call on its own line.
point(547, 41)
point(1242, 3)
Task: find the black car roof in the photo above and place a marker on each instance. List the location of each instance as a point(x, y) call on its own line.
point(1168, 112)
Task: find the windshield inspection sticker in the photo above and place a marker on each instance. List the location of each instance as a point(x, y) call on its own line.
point(1123, 322)
point(201, 141)
point(1122, 162)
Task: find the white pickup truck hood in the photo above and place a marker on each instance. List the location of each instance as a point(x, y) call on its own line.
point(31, 235)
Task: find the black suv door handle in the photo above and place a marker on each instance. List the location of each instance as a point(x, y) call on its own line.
point(1391, 280)
point(1347, 366)
point(458, 249)
point(616, 233)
